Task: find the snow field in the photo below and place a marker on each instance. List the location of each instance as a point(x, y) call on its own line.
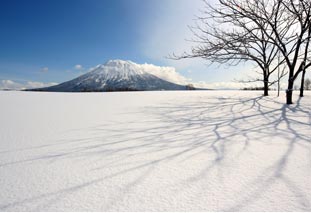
point(154, 151)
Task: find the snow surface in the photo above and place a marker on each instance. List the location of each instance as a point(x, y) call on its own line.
point(154, 151)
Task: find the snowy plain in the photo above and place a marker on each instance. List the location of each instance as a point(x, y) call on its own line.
point(154, 151)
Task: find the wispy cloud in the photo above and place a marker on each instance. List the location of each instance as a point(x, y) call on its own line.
point(78, 67)
point(44, 70)
point(13, 85)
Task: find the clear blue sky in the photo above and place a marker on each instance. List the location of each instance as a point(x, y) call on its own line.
point(59, 34)
point(43, 40)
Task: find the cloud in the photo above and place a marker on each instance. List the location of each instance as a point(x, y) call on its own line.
point(166, 31)
point(8, 84)
point(34, 84)
point(13, 85)
point(166, 73)
point(78, 67)
point(170, 74)
point(44, 70)
point(224, 85)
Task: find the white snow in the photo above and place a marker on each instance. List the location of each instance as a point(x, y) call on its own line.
point(120, 68)
point(154, 151)
point(115, 69)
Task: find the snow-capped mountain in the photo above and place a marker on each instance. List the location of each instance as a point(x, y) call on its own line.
point(115, 75)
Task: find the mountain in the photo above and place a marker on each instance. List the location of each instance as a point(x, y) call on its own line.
point(115, 75)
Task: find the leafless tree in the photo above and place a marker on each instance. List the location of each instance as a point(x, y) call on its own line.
point(281, 74)
point(225, 35)
point(302, 83)
point(307, 84)
point(256, 30)
point(291, 26)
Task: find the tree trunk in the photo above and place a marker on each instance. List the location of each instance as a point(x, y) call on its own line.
point(302, 83)
point(279, 85)
point(289, 92)
point(266, 87)
point(266, 81)
point(279, 76)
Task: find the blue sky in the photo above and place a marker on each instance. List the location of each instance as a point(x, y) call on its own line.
point(57, 40)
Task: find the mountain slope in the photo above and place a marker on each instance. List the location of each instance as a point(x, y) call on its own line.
point(115, 75)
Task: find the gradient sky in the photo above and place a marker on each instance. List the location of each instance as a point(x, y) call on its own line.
point(57, 40)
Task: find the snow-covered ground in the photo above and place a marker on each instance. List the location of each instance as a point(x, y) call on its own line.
point(154, 151)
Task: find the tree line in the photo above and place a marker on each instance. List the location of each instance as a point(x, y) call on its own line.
point(272, 34)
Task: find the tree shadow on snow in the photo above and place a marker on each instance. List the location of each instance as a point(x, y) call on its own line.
point(178, 131)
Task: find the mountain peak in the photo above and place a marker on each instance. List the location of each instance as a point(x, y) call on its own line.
point(118, 62)
point(116, 75)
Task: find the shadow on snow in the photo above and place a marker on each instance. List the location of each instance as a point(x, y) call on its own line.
point(179, 132)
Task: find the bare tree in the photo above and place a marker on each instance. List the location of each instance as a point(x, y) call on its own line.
point(281, 74)
point(258, 31)
point(302, 83)
point(290, 22)
point(289, 30)
point(225, 34)
point(307, 84)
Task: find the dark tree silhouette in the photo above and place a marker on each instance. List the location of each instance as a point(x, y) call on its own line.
point(295, 24)
point(224, 34)
point(289, 30)
point(256, 30)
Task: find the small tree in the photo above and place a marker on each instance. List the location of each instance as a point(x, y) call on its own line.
point(190, 87)
point(302, 84)
point(307, 84)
